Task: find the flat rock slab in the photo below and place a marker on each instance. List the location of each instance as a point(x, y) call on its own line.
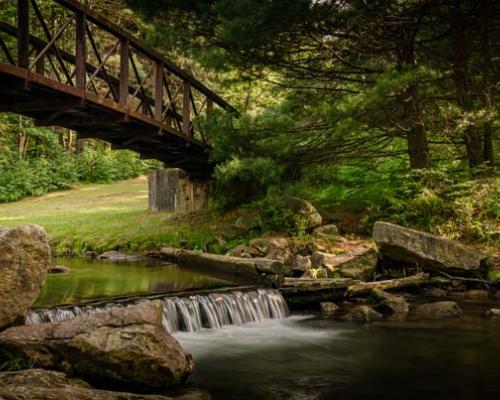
point(24, 261)
point(40, 384)
point(424, 249)
point(125, 347)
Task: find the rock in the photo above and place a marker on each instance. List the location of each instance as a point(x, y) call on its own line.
point(58, 269)
point(476, 294)
point(394, 306)
point(362, 314)
point(329, 309)
point(300, 264)
point(24, 261)
point(436, 292)
point(356, 261)
point(274, 248)
point(327, 231)
point(126, 347)
point(116, 256)
point(40, 384)
point(424, 249)
point(492, 313)
point(438, 310)
point(493, 265)
point(242, 251)
point(91, 255)
point(309, 217)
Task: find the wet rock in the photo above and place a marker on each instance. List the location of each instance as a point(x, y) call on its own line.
point(24, 261)
point(438, 310)
point(436, 292)
point(356, 260)
point(126, 347)
point(492, 313)
point(476, 294)
point(309, 218)
point(329, 309)
point(116, 256)
point(58, 269)
point(300, 264)
point(91, 255)
point(394, 306)
point(424, 249)
point(327, 231)
point(362, 314)
point(40, 384)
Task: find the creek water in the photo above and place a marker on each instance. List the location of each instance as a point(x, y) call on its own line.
point(309, 358)
point(256, 351)
point(93, 279)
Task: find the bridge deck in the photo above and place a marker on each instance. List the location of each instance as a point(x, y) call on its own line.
point(105, 84)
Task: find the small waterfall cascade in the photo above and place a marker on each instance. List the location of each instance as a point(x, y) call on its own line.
point(189, 313)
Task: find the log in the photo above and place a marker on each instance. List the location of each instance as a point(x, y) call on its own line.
point(252, 269)
point(414, 280)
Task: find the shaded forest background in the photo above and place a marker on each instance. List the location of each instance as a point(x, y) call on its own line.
point(369, 109)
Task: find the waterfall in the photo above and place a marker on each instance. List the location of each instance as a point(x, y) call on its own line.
point(189, 313)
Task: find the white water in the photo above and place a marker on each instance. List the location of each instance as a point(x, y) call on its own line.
point(191, 313)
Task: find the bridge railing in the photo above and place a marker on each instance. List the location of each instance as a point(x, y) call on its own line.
point(67, 42)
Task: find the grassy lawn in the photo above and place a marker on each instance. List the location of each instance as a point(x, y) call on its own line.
point(101, 217)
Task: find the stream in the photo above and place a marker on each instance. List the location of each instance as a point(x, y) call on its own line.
point(309, 358)
point(256, 352)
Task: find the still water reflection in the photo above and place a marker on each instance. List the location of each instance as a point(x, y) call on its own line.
point(90, 280)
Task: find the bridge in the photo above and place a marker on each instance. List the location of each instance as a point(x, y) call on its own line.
point(67, 66)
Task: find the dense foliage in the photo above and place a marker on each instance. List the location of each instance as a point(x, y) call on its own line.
point(34, 160)
point(384, 109)
point(369, 109)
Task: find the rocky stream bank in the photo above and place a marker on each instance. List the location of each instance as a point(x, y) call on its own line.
point(110, 355)
point(116, 353)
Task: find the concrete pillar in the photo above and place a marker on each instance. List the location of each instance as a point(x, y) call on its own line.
point(172, 190)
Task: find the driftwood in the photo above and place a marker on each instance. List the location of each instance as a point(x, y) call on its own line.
point(414, 280)
point(232, 267)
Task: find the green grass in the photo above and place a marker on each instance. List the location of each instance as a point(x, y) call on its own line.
point(102, 217)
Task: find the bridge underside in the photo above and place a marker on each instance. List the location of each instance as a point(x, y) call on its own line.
point(52, 103)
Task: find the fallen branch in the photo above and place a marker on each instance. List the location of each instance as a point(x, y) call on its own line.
point(463, 279)
point(414, 280)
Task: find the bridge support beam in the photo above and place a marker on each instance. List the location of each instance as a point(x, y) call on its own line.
point(172, 190)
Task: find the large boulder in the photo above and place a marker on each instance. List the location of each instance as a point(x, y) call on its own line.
point(40, 384)
point(355, 260)
point(327, 231)
point(126, 346)
point(438, 310)
point(24, 261)
point(424, 249)
point(309, 218)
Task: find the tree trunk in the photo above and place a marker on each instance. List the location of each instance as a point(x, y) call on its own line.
point(413, 119)
point(418, 147)
point(472, 133)
point(487, 73)
point(80, 146)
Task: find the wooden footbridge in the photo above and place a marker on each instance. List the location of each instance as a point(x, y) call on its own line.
point(66, 66)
